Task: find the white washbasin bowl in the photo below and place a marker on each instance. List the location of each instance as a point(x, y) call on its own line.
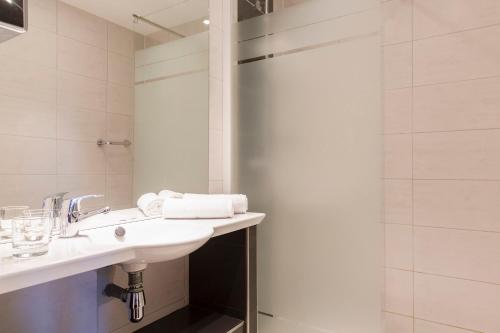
point(152, 241)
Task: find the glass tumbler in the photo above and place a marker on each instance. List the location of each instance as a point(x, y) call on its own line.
point(6, 215)
point(31, 233)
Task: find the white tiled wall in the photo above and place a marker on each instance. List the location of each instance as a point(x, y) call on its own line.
point(442, 162)
point(66, 83)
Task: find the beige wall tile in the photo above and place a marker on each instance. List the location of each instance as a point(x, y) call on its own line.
point(465, 254)
point(394, 323)
point(397, 18)
point(119, 127)
point(37, 46)
point(461, 56)
point(456, 106)
point(398, 111)
point(399, 291)
point(49, 308)
point(27, 117)
point(399, 246)
point(441, 17)
point(398, 201)
point(119, 160)
point(398, 156)
point(78, 91)
point(397, 71)
point(170, 275)
point(82, 26)
point(26, 155)
point(457, 155)
point(119, 190)
point(27, 80)
point(78, 185)
point(462, 303)
point(75, 124)
point(457, 204)
point(121, 40)
point(80, 158)
point(26, 189)
point(42, 14)
point(120, 99)
point(422, 326)
point(120, 69)
point(80, 58)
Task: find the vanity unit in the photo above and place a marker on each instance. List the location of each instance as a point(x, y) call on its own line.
point(221, 270)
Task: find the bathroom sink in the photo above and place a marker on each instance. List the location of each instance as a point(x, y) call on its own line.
point(152, 241)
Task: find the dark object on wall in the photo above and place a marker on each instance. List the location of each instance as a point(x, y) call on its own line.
point(13, 18)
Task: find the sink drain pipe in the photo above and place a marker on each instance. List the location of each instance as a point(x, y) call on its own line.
point(133, 295)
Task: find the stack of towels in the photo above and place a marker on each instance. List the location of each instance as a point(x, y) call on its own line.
point(174, 205)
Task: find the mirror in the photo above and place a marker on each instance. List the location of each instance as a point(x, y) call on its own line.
point(105, 97)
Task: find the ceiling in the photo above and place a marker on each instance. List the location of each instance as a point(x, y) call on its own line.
point(168, 13)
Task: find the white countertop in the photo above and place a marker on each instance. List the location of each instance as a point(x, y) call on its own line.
point(70, 256)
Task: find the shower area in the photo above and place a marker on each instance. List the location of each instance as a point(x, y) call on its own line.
point(307, 149)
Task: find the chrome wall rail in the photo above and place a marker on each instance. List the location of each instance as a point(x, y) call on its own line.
point(124, 143)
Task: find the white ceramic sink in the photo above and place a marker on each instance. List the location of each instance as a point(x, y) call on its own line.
point(153, 241)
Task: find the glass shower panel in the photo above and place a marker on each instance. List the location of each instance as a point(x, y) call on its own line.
point(308, 152)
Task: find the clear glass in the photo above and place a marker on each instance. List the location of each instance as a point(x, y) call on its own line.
point(6, 215)
point(31, 233)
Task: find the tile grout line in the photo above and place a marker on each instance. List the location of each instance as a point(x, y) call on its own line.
point(441, 34)
point(432, 321)
point(412, 3)
point(57, 96)
point(442, 276)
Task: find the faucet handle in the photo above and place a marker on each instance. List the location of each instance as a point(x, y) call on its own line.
point(74, 204)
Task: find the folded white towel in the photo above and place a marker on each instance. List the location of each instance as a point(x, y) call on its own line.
point(170, 194)
point(150, 204)
point(197, 208)
point(240, 201)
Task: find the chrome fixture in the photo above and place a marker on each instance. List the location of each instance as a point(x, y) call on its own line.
point(134, 295)
point(120, 232)
point(71, 214)
point(139, 18)
point(124, 143)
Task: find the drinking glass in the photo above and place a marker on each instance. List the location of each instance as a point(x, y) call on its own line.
point(6, 215)
point(31, 233)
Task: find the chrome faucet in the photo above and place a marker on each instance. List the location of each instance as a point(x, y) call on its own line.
point(71, 214)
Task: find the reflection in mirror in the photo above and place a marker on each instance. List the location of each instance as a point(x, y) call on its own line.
point(130, 74)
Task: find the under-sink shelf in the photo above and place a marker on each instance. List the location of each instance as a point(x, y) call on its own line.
point(193, 319)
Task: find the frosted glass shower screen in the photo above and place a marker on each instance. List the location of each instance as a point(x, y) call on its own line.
point(308, 152)
point(171, 116)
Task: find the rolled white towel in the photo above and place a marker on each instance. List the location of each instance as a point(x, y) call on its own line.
point(170, 194)
point(150, 204)
point(197, 208)
point(240, 201)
